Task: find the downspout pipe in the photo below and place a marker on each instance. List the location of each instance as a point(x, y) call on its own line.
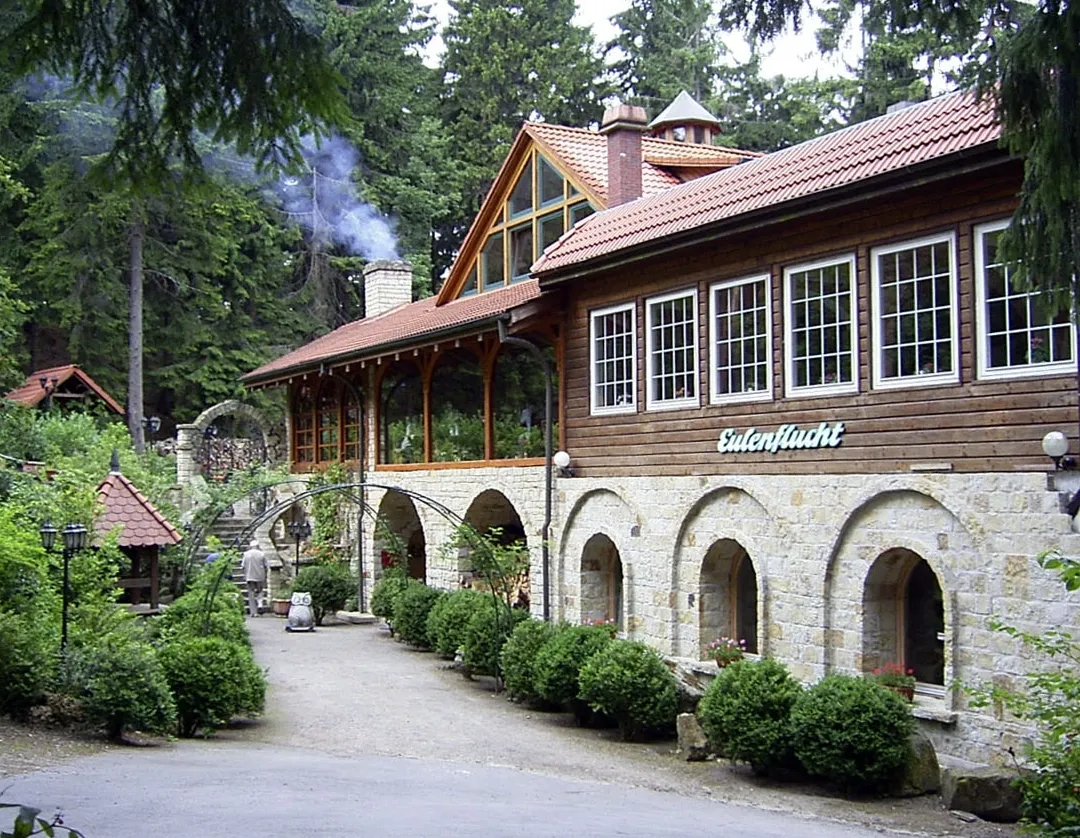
point(545, 532)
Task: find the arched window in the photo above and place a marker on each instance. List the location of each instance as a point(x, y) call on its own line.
point(325, 423)
point(401, 415)
point(728, 595)
point(904, 618)
point(303, 425)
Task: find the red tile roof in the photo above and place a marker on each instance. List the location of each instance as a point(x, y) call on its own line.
point(397, 326)
point(585, 153)
point(890, 143)
point(30, 392)
point(126, 506)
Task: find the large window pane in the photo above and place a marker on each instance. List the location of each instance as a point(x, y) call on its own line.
point(492, 259)
point(549, 183)
point(519, 395)
point(401, 415)
point(521, 198)
point(521, 252)
point(820, 305)
point(457, 409)
point(672, 348)
point(551, 227)
point(741, 344)
point(614, 364)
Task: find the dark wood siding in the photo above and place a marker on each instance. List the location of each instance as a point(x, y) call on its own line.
point(973, 426)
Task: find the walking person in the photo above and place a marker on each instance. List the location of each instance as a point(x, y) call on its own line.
point(256, 568)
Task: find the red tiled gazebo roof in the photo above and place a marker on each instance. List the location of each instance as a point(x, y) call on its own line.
point(30, 392)
point(126, 506)
point(886, 145)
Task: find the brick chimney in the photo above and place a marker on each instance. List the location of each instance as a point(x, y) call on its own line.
point(387, 285)
point(623, 125)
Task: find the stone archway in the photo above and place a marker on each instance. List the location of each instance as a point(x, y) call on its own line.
point(492, 510)
point(601, 582)
point(400, 531)
point(189, 437)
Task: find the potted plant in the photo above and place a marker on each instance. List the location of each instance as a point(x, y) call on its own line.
point(281, 601)
point(726, 650)
point(898, 678)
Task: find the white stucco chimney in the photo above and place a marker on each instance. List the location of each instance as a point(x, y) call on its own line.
point(387, 285)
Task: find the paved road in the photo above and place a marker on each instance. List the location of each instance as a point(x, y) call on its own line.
point(364, 737)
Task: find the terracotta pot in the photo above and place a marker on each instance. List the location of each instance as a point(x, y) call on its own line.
point(281, 607)
point(907, 693)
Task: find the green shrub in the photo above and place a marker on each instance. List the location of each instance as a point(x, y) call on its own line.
point(28, 655)
point(187, 616)
point(448, 619)
point(212, 681)
point(852, 732)
point(329, 584)
point(122, 686)
point(629, 682)
point(486, 633)
point(382, 596)
point(412, 606)
point(519, 657)
point(746, 714)
point(559, 662)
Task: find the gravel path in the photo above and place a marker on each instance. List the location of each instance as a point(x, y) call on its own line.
point(352, 690)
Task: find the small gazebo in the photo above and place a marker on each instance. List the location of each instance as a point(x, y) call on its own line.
point(145, 531)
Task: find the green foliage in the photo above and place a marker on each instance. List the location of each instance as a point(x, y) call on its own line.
point(519, 657)
point(28, 823)
point(1051, 700)
point(629, 682)
point(448, 619)
point(28, 654)
point(412, 606)
point(384, 593)
point(328, 509)
point(486, 634)
point(330, 585)
point(122, 686)
point(212, 681)
point(746, 714)
point(852, 732)
point(559, 661)
point(196, 614)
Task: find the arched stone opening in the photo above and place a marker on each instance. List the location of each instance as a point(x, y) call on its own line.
point(489, 513)
point(904, 617)
point(601, 582)
point(728, 595)
point(399, 536)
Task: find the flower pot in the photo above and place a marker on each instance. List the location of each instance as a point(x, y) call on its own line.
point(280, 607)
point(907, 693)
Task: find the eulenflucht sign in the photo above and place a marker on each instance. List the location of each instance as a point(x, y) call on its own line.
point(784, 438)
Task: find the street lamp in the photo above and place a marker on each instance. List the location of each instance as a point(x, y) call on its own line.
point(300, 530)
point(74, 536)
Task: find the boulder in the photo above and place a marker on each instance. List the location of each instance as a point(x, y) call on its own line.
point(692, 742)
point(922, 774)
point(990, 793)
point(690, 684)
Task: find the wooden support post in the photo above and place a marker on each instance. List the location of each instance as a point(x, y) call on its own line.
point(488, 362)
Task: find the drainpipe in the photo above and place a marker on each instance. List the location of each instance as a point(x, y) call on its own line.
point(548, 411)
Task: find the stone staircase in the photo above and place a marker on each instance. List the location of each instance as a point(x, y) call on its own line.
point(226, 529)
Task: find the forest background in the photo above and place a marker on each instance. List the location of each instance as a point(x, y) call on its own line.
point(241, 264)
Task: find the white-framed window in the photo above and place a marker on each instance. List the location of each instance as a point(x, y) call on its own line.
point(914, 296)
point(1018, 333)
point(740, 340)
point(613, 360)
point(671, 351)
point(821, 328)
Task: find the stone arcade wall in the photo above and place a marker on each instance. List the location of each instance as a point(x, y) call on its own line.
point(812, 540)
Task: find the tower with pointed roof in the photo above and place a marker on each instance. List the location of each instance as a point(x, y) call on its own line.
point(685, 120)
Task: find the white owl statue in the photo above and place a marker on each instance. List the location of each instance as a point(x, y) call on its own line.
point(300, 615)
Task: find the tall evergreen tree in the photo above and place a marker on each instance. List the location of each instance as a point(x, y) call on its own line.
point(664, 47)
point(507, 62)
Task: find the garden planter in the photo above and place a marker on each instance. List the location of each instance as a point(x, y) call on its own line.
point(906, 693)
point(280, 607)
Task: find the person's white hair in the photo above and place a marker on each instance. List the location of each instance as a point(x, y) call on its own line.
point(254, 543)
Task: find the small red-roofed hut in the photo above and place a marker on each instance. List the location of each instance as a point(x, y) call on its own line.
point(145, 531)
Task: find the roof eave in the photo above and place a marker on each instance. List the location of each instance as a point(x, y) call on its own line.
point(978, 157)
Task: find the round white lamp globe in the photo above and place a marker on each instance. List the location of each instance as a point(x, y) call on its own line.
point(1055, 445)
point(561, 459)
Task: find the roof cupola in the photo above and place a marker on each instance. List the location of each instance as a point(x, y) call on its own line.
point(684, 120)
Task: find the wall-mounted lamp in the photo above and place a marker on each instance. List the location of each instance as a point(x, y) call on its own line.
point(561, 461)
point(1056, 445)
point(152, 424)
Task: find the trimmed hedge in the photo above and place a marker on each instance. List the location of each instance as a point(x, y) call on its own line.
point(212, 680)
point(330, 585)
point(559, 663)
point(519, 657)
point(411, 608)
point(383, 594)
point(852, 732)
point(28, 656)
point(449, 618)
point(629, 682)
point(486, 633)
point(186, 617)
point(746, 714)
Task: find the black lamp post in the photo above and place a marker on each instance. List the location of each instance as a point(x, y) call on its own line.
point(74, 536)
point(300, 530)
